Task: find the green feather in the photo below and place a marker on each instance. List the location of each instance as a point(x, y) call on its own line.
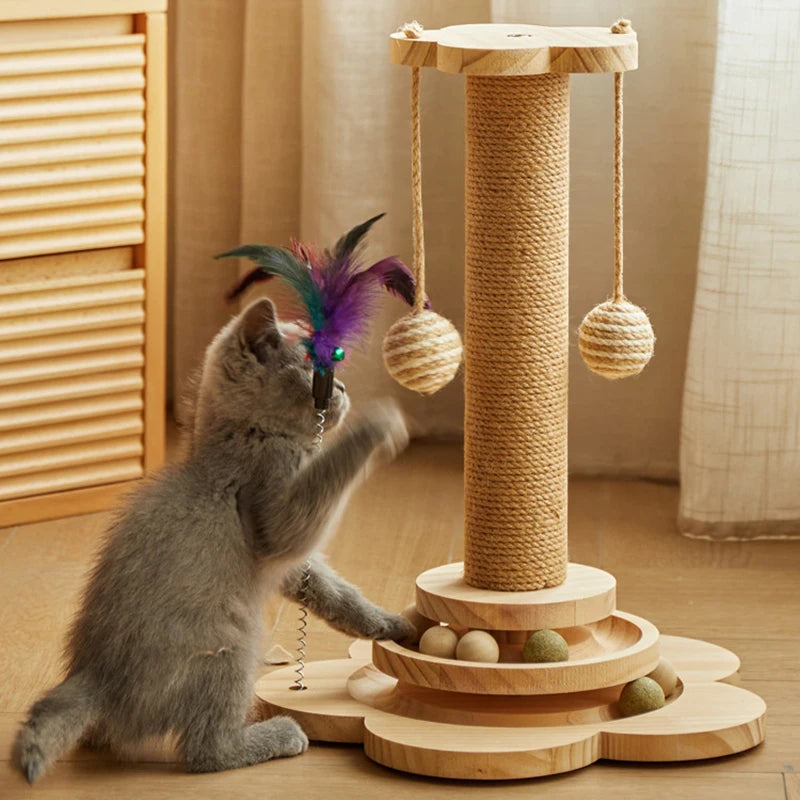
point(280, 262)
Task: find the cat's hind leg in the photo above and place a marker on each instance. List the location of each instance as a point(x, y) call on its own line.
point(217, 748)
point(214, 704)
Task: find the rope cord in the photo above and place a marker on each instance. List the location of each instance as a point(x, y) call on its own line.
point(413, 30)
point(620, 26)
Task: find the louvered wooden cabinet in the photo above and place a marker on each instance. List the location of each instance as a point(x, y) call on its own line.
point(82, 252)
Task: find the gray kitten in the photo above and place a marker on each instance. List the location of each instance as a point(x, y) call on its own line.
point(167, 640)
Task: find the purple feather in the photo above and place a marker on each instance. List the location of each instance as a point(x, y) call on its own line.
point(395, 277)
point(341, 296)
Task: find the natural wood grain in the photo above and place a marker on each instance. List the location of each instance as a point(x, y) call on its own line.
point(86, 408)
point(68, 240)
point(21, 32)
point(66, 503)
point(80, 48)
point(153, 254)
point(609, 652)
point(56, 219)
point(79, 291)
point(41, 369)
point(92, 168)
point(72, 388)
point(29, 109)
point(499, 49)
point(33, 463)
point(587, 595)
point(124, 464)
point(62, 345)
point(116, 191)
point(451, 735)
point(33, 325)
point(53, 9)
point(104, 80)
point(35, 58)
point(328, 713)
point(91, 430)
point(792, 784)
point(62, 265)
point(419, 52)
point(13, 133)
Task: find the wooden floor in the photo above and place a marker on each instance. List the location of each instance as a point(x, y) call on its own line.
point(407, 518)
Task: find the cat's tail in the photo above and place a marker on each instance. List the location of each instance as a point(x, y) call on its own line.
point(55, 723)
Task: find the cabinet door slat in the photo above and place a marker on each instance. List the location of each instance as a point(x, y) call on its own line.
point(70, 196)
point(67, 241)
point(71, 388)
point(71, 478)
point(92, 430)
point(45, 369)
point(69, 344)
point(81, 105)
point(86, 408)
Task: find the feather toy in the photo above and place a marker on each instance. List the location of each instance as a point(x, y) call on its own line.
point(337, 291)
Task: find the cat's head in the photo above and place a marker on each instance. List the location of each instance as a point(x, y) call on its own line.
point(256, 373)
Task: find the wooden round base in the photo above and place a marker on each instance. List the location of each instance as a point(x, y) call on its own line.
point(615, 650)
point(587, 595)
point(452, 735)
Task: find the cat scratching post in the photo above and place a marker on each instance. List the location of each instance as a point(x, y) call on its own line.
point(511, 719)
point(517, 326)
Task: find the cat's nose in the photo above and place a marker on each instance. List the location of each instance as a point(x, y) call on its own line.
point(338, 384)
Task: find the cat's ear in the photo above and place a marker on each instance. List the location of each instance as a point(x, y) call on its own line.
point(258, 329)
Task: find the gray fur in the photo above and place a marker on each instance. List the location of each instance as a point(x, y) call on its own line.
point(167, 639)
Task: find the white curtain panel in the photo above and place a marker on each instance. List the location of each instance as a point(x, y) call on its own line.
point(740, 444)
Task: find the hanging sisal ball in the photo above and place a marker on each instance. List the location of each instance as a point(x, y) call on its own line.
point(616, 339)
point(422, 351)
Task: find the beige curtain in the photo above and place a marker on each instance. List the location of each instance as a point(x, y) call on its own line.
point(740, 453)
point(288, 119)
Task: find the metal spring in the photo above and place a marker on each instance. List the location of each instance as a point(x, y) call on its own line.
point(317, 441)
point(302, 626)
point(299, 681)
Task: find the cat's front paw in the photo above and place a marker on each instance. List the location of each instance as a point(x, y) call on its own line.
point(395, 627)
point(386, 418)
point(288, 738)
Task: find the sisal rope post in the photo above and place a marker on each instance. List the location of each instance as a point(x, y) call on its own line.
point(517, 328)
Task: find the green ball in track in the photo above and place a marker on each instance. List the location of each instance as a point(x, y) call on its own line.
point(545, 646)
point(641, 695)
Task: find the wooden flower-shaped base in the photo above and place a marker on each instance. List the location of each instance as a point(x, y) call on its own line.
point(489, 733)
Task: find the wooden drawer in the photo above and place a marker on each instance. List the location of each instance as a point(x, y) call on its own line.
point(71, 382)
